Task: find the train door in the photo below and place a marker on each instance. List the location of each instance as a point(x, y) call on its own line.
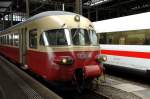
point(23, 47)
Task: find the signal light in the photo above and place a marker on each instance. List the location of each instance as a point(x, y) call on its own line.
point(77, 18)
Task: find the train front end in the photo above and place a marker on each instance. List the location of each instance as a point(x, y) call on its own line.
point(77, 56)
point(81, 58)
point(69, 51)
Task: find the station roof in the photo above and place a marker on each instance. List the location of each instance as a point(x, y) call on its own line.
point(35, 5)
point(106, 8)
point(4, 5)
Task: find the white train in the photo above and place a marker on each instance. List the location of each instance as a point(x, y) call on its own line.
point(126, 41)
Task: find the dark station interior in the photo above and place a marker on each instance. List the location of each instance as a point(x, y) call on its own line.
point(105, 9)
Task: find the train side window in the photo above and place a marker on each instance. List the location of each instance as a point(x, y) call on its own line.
point(147, 37)
point(110, 39)
point(134, 38)
point(9, 36)
point(122, 40)
point(16, 39)
point(33, 38)
point(5, 39)
point(11, 39)
point(0, 40)
point(102, 38)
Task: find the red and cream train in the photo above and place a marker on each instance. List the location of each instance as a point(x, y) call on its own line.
point(58, 46)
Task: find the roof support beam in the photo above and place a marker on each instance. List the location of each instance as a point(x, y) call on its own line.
point(27, 8)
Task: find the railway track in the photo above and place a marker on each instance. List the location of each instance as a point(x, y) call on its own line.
point(87, 94)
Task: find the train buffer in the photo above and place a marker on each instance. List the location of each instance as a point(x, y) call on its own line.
point(15, 84)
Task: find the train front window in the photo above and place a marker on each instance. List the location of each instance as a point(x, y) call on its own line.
point(80, 37)
point(55, 37)
point(93, 37)
point(83, 37)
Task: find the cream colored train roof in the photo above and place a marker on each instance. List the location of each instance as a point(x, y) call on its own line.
point(50, 13)
point(43, 14)
point(132, 22)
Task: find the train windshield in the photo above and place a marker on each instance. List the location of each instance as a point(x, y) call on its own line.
point(83, 37)
point(93, 37)
point(55, 37)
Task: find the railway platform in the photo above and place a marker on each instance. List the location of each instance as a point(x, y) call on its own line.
point(120, 88)
point(15, 84)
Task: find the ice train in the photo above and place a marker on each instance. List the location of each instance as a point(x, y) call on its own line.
point(126, 41)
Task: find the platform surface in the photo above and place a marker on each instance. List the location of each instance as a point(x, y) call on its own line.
point(8, 88)
point(14, 86)
point(119, 88)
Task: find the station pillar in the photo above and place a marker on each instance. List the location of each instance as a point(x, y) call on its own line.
point(96, 14)
point(3, 21)
point(11, 16)
point(78, 6)
point(89, 11)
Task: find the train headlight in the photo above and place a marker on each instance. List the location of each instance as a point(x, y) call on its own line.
point(64, 60)
point(77, 18)
point(101, 58)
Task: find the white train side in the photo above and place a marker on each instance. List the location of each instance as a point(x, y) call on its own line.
point(126, 41)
